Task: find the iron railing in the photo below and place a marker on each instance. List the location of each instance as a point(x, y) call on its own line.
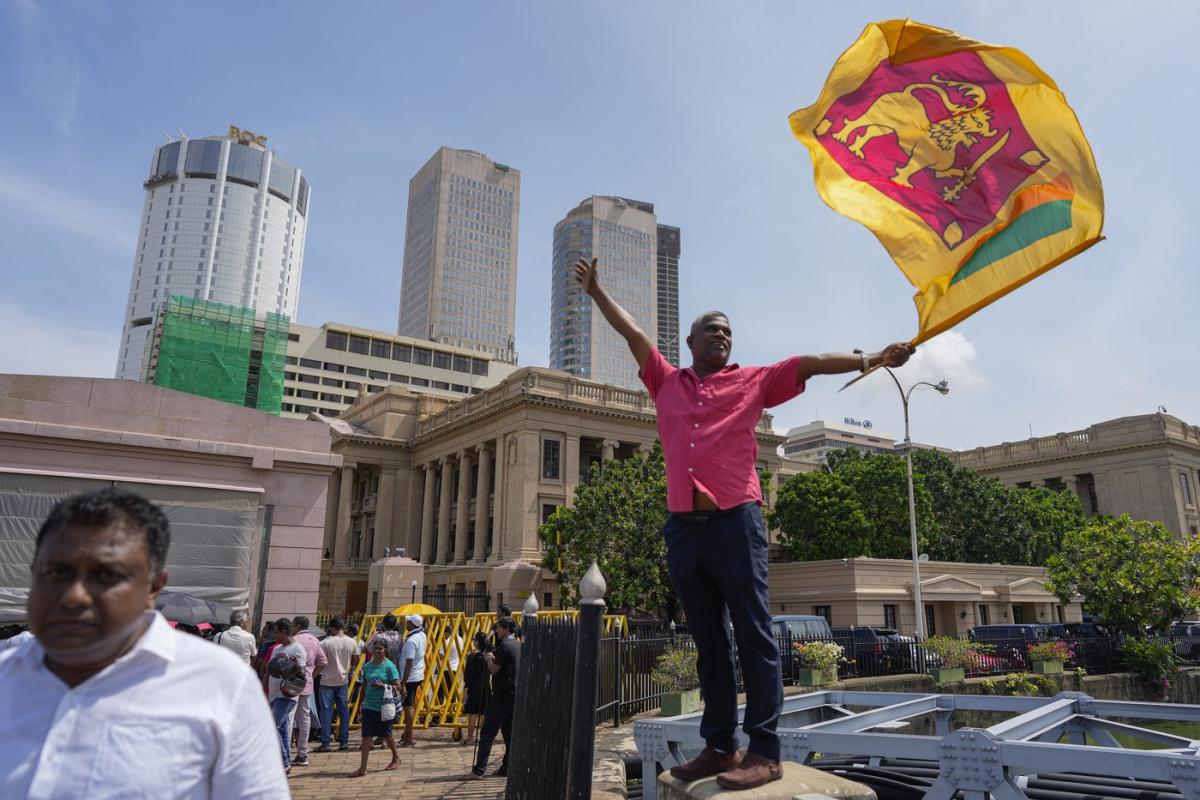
point(449, 601)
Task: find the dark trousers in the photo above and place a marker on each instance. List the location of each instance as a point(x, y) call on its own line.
point(718, 564)
point(499, 718)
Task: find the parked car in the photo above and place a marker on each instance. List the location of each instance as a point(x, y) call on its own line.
point(1010, 643)
point(877, 651)
point(792, 628)
point(1185, 636)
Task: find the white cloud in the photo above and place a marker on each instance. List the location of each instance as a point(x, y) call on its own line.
point(949, 357)
point(45, 346)
point(27, 199)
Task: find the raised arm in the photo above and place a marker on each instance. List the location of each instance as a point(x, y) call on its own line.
point(639, 343)
point(894, 355)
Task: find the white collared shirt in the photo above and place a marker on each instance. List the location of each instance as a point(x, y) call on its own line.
point(240, 641)
point(175, 717)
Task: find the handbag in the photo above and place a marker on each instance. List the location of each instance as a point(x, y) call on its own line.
point(387, 709)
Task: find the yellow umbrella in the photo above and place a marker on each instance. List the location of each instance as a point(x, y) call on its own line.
point(415, 608)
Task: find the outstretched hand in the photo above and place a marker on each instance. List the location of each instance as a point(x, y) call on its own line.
point(586, 273)
point(897, 354)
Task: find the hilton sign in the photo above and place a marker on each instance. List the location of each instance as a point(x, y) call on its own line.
point(246, 137)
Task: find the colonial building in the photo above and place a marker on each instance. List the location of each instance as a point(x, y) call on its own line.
point(1145, 466)
point(877, 592)
point(462, 486)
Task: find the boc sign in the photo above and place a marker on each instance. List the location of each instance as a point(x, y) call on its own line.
point(246, 137)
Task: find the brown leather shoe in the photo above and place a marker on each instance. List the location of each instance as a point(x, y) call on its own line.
point(705, 765)
point(753, 771)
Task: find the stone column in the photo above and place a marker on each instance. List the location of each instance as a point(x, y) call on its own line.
point(427, 540)
point(463, 519)
point(482, 497)
point(571, 457)
point(341, 542)
point(500, 492)
point(608, 448)
point(443, 524)
point(383, 509)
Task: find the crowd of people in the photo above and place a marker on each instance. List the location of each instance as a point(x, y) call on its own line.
point(99, 658)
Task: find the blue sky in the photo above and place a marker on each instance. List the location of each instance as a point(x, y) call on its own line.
point(681, 104)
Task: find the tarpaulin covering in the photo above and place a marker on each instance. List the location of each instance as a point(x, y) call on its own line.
point(214, 534)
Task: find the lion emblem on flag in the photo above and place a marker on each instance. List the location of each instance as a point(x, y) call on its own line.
point(929, 144)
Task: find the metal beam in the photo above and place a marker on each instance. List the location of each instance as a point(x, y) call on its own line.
point(1031, 723)
point(869, 719)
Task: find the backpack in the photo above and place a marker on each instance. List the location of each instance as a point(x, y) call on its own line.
point(292, 679)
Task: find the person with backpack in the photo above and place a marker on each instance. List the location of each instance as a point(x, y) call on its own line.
point(286, 680)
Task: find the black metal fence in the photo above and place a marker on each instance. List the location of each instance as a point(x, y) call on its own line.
point(626, 688)
point(448, 600)
point(545, 682)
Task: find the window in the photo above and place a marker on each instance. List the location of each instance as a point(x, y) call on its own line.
point(402, 352)
point(985, 615)
point(547, 599)
point(420, 382)
point(359, 344)
point(306, 394)
point(398, 378)
point(1018, 613)
point(310, 363)
point(333, 367)
point(359, 371)
point(381, 349)
point(930, 628)
point(548, 510)
point(441, 360)
point(335, 340)
point(352, 385)
point(461, 364)
point(889, 616)
point(1186, 483)
point(379, 376)
point(422, 356)
point(550, 458)
point(479, 366)
point(331, 382)
point(824, 611)
point(441, 385)
point(307, 378)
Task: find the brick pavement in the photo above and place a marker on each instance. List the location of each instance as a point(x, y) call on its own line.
point(432, 769)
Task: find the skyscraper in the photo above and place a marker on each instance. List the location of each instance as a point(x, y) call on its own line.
point(635, 268)
point(460, 252)
point(668, 293)
point(224, 220)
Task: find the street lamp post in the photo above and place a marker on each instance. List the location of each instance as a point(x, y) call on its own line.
point(918, 607)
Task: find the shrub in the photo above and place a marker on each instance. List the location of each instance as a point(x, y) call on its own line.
point(675, 670)
point(955, 652)
point(1020, 684)
point(1050, 651)
point(1154, 661)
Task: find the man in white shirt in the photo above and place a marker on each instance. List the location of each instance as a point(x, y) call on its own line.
point(238, 638)
point(412, 672)
point(341, 653)
point(107, 701)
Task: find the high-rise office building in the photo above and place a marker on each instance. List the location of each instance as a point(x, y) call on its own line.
point(460, 253)
point(224, 220)
point(624, 235)
point(668, 293)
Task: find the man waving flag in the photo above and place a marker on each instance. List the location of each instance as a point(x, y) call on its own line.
point(963, 158)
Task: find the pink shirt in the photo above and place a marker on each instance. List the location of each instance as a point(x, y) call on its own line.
point(314, 657)
point(707, 426)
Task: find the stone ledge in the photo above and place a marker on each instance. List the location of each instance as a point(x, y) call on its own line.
point(798, 782)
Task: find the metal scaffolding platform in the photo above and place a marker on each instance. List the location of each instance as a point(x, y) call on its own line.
point(1068, 733)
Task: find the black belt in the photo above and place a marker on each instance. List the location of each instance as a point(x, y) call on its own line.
point(703, 517)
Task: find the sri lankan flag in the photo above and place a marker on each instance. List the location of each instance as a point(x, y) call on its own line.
point(963, 158)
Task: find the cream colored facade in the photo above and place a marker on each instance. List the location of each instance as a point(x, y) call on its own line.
point(327, 367)
point(462, 486)
point(1146, 466)
point(877, 592)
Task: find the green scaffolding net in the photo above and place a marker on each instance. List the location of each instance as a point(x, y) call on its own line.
point(222, 351)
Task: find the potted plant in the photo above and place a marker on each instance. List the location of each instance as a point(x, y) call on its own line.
point(1048, 657)
point(675, 672)
point(819, 662)
point(955, 656)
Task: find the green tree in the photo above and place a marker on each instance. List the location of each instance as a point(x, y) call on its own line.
point(961, 514)
point(617, 519)
point(1131, 573)
point(858, 507)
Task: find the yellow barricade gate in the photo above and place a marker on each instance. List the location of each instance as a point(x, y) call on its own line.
point(449, 639)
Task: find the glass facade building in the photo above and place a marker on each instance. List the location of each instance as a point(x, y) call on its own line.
point(624, 235)
point(223, 221)
point(459, 285)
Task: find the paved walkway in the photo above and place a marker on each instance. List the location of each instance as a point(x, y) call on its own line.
point(432, 769)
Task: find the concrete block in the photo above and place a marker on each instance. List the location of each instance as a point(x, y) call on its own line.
point(293, 580)
point(126, 396)
point(798, 782)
